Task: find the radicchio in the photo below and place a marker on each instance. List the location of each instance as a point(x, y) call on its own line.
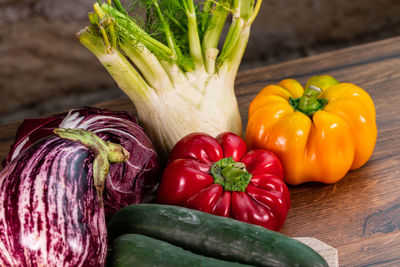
point(129, 183)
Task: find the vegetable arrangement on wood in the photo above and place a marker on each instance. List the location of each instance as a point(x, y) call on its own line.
point(57, 191)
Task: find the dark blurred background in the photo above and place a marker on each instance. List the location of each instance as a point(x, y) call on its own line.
point(44, 69)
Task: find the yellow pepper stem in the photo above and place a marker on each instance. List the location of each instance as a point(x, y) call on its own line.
point(309, 102)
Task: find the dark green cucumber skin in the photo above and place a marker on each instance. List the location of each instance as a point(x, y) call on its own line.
point(213, 236)
point(138, 250)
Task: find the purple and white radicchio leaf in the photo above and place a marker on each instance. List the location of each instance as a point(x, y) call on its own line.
point(50, 212)
point(128, 183)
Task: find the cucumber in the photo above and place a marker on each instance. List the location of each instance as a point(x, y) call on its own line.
point(138, 250)
point(213, 236)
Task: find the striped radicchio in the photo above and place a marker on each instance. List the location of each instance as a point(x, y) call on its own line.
point(129, 183)
point(51, 211)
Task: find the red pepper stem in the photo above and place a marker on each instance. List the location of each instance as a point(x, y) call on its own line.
point(231, 175)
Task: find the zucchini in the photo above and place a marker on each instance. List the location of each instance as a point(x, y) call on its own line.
point(213, 236)
point(138, 250)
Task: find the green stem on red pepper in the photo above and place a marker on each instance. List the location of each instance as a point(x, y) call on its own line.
point(231, 175)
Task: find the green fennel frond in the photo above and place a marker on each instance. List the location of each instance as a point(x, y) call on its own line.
point(182, 32)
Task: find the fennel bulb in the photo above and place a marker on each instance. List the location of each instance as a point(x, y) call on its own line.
point(178, 79)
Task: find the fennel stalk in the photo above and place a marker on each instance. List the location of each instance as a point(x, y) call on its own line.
point(171, 68)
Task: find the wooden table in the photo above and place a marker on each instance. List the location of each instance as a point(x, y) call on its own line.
point(359, 215)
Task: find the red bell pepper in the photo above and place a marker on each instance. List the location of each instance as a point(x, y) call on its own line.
point(218, 176)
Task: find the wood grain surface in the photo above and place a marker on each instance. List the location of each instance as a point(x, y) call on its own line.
point(359, 215)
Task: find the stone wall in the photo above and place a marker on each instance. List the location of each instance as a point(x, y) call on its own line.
point(44, 69)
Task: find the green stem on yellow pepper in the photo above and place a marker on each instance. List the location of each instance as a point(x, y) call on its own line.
point(309, 102)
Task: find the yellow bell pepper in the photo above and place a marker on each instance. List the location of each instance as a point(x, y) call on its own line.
point(319, 132)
